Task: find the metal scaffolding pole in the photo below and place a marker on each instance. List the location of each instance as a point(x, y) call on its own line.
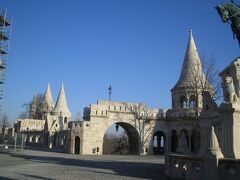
point(5, 30)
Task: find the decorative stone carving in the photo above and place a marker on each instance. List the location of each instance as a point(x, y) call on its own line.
point(228, 90)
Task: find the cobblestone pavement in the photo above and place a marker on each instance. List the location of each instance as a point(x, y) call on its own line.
point(29, 164)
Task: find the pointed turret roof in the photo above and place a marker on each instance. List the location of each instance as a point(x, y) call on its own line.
point(213, 140)
point(61, 107)
point(191, 63)
point(214, 148)
point(48, 98)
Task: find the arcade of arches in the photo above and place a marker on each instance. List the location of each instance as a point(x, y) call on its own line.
point(159, 134)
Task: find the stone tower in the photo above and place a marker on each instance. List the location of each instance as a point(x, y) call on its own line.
point(184, 133)
point(183, 95)
point(61, 109)
point(230, 110)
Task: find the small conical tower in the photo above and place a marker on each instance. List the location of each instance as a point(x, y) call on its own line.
point(48, 99)
point(61, 107)
point(214, 148)
point(211, 157)
point(182, 93)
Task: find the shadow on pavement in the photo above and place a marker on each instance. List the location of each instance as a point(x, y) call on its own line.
point(35, 177)
point(130, 169)
point(5, 178)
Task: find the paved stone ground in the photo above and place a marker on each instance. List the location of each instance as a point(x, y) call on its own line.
point(30, 164)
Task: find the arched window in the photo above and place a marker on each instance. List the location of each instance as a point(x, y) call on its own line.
point(174, 140)
point(65, 120)
point(77, 145)
point(192, 102)
point(184, 135)
point(183, 102)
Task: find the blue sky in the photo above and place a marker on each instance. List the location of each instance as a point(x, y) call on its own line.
point(137, 46)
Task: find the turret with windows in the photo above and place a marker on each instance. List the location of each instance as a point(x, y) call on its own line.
point(186, 93)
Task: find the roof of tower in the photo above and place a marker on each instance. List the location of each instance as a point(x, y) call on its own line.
point(61, 105)
point(191, 64)
point(48, 98)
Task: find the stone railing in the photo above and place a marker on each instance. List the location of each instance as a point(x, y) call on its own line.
point(229, 169)
point(185, 167)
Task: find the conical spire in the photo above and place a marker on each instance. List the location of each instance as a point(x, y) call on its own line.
point(48, 98)
point(61, 107)
point(213, 140)
point(191, 63)
point(214, 148)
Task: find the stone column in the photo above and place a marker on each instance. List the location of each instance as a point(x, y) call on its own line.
point(72, 144)
point(190, 142)
point(168, 151)
point(187, 101)
point(37, 137)
point(168, 142)
point(230, 110)
point(205, 128)
point(230, 119)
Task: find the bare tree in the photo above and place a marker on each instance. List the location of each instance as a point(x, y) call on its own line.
point(143, 120)
point(4, 123)
point(120, 144)
point(108, 144)
point(34, 109)
point(204, 78)
point(143, 117)
point(25, 114)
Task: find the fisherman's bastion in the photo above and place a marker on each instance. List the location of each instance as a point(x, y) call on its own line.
point(198, 138)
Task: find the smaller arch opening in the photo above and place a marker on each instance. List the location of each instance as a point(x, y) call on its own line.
point(65, 120)
point(77, 145)
point(185, 134)
point(183, 145)
point(159, 141)
point(192, 102)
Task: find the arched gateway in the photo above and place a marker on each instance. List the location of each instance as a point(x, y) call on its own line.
point(127, 142)
point(139, 122)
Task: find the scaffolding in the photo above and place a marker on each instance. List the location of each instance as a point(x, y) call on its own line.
point(5, 31)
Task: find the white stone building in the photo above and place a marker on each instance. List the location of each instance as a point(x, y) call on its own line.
point(202, 138)
point(199, 139)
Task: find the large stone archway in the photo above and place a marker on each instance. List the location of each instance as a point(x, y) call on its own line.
point(99, 117)
point(132, 140)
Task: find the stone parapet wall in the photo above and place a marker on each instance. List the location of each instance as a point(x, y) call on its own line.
point(229, 169)
point(186, 167)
